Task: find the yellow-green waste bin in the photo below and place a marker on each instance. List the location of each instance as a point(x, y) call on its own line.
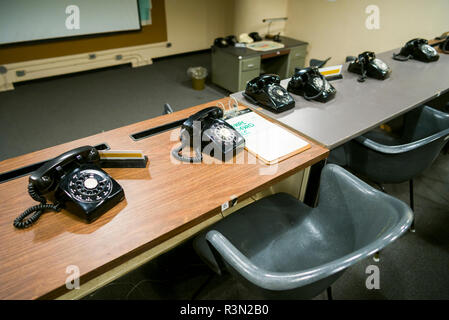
point(198, 75)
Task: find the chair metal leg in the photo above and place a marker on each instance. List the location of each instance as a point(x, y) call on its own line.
point(329, 293)
point(412, 205)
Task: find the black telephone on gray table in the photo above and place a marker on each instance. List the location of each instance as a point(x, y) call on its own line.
point(266, 91)
point(367, 65)
point(418, 49)
point(311, 84)
point(206, 132)
point(78, 184)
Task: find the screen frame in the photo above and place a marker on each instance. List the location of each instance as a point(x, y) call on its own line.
point(80, 36)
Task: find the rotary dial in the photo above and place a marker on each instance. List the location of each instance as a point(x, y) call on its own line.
point(90, 186)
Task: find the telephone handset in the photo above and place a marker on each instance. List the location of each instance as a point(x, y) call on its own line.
point(255, 36)
point(78, 184)
point(367, 64)
point(311, 84)
point(418, 49)
point(266, 91)
point(206, 131)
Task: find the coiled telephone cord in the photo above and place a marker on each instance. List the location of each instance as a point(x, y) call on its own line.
point(399, 57)
point(319, 93)
point(35, 211)
point(177, 152)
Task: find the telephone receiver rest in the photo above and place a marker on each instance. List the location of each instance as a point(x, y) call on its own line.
point(44, 179)
point(210, 112)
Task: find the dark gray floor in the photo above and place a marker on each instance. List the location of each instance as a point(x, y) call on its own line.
point(48, 112)
point(52, 111)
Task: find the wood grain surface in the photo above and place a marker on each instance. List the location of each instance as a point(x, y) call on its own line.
point(162, 200)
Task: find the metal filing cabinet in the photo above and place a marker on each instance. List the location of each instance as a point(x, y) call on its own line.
point(233, 67)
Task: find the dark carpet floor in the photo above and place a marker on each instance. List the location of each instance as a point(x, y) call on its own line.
point(47, 112)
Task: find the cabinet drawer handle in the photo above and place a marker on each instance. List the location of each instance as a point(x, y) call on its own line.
point(297, 54)
point(250, 65)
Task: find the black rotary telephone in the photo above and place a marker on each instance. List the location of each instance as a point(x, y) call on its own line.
point(418, 49)
point(221, 42)
point(231, 40)
point(266, 91)
point(206, 132)
point(255, 36)
point(311, 84)
point(78, 184)
point(367, 64)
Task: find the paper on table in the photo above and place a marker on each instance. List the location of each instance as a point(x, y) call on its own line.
point(266, 139)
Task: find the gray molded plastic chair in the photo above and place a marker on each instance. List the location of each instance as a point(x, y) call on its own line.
point(383, 158)
point(318, 63)
point(387, 159)
point(281, 248)
point(167, 109)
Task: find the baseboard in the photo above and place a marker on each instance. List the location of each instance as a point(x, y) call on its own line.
point(137, 56)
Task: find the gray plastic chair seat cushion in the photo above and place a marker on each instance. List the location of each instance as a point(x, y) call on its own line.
point(278, 243)
point(283, 232)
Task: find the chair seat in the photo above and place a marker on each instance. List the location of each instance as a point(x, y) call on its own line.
point(285, 235)
point(279, 246)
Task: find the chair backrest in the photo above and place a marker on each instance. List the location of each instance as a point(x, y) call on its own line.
point(425, 129)
point(318, 63)
point(167, 109)
point(423, 122)
point(364, 217)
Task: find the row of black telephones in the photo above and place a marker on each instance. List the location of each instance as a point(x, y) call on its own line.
point(231, 40)
point(75, 181)
point(266, 91)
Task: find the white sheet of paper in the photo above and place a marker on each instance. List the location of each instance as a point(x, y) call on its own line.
point(265, 138)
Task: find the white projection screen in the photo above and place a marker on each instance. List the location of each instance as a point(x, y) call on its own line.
point(29, 20)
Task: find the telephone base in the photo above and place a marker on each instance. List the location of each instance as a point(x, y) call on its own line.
point(277, 109)
point(94, 213)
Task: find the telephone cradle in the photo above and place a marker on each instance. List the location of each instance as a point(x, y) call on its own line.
point(206, 131)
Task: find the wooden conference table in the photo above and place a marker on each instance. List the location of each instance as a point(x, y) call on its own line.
point(166, 203)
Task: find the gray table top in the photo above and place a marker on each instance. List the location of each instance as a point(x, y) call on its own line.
point(359, 107)
point(246, 53)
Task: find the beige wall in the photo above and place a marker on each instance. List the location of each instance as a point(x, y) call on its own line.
point(248, 16)
point(337, 28)
point(194, 24)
